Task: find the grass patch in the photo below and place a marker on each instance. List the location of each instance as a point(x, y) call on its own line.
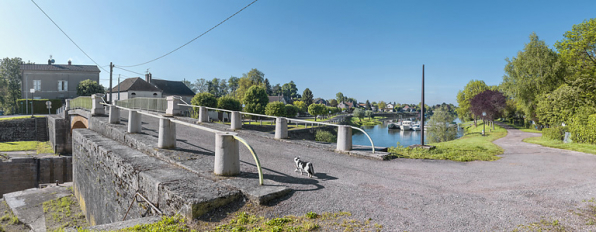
point(581, 147)
point(472, 146)
point(19, 117)
point(9, 221)
point(39, 147)
point(355, 121)
point(521, 128)
point(62, 213)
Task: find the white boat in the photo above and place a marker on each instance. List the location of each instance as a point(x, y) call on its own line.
point(405, 125)
point(415, 127)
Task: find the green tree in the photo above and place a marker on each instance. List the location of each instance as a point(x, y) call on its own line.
point(223, 87)
point(268, 87)
point(382, 105)
point(367, 106)
point(255, 100)
point(89, 87)
point(464, 98)
point(290, 90)
point(307, 97)
point(578, 52)
point(276, 109)
point(560, 105)
point(244, 84)
point(203, 99)
point(359, 113)
point(368, 114)
point(233, 85)
point(255, 76)
point(339, 97)
point(332, 102)
point(276, 90)
point(439, 129)
point(317, 109)
point(201, 85)
point(190, 85)
point(535, 70)
point(229, 103)
point(301, 106)
point(10, 84)
point(291, 111)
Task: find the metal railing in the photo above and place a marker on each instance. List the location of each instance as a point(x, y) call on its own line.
point(252, 151)
point(83, 102)
point(289, 120)
point(144, 199)
point(145, 103)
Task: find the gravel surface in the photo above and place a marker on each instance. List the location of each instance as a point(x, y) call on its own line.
point(529, 183)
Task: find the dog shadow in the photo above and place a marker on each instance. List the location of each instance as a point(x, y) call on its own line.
point(324, 176)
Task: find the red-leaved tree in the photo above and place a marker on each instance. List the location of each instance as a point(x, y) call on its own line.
point(490, 102)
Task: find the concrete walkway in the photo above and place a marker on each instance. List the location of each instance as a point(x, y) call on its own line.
point(527, 184)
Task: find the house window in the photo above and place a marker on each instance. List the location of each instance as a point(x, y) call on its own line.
point(155, 94)
point(62, 85)
point(37, 85)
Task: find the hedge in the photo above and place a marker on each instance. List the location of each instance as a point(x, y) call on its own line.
point(554, 133)
point(39, 106)
point(584, 131)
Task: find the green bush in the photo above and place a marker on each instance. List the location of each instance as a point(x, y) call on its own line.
point(39, 106)
point(291, 111)
point(554, 133)
point(584, 130)
point(275, 109)
point(325, 136)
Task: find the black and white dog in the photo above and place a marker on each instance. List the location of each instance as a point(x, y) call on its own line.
point(304, 166)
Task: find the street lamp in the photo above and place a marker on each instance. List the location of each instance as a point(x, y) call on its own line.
point(483, 122)
point(32, 92)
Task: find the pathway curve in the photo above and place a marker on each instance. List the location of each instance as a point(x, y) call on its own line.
point(527, 184)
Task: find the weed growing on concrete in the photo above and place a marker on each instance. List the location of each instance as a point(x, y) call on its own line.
point(62, 213)
point(311, 215)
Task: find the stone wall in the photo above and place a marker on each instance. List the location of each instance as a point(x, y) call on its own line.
point(108, 174)
point(26, 129)
point(22, 173)
point(59, 134)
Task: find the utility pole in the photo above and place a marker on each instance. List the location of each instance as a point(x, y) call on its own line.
point(422, 111)
point(111, 71)
point(118, 87)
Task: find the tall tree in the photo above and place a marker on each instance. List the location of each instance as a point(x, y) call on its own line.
point(367, 106)
point(10, 83)
point(233, 85)
point(255, 99)
point(256, 76)
point(578, 52)
point(213, 87)
point(190, 85)
point(307, 97)
point(535, 70)
point(560, 105)
point(290, 90)
point(201, 85)
point(382, 105)
point(268, 87)
point(464, 97)
point(439, 130)
point(339, 97)
point(223, 87)
point(332, 102)
point(276, 90)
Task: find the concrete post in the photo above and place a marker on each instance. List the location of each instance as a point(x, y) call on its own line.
point(227, 159)
point(281, 128)
point(66, 109)
point(96, 106)
point(236, 121)
point(114, 114)
point(344, 138)
point(67, 104)
point(134, 121)
point(173, 107)
point(203, 114)
point(167, 134)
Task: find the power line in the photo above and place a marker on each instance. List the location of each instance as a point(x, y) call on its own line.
point(128, 70)
point(67, 35)
point(194, 38)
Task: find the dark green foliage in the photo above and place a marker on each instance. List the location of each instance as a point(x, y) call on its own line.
point(276, 109)
point(229, 103)
point(203, 99)
point(291, 111)
point(10, 84)
point(554, 133)
point(325, 136)
point(39, 106)
point(307, 97)
point(89, 87)
point(255, 99)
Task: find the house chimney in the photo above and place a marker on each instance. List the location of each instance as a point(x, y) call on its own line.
point(69, 62)
point(148, 77)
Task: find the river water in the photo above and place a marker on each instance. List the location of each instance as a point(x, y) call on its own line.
point(384, 137)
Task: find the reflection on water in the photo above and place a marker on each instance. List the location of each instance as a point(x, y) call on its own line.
point(384, 137)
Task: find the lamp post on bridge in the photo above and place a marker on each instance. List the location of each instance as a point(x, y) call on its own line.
point(483, 122)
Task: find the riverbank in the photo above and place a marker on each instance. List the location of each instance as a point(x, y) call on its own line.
point(470, 147)
point(355, 121)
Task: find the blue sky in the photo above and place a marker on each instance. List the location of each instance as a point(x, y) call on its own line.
point(369, 50)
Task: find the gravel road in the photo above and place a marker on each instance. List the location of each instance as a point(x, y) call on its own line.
point(529, 183)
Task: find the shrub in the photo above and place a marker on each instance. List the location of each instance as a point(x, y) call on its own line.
point(255, 99)
point(291, 111)
point(325, 136)
point(275, 109)
point(583, 130)
point(554, 133)
point(203, 99)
